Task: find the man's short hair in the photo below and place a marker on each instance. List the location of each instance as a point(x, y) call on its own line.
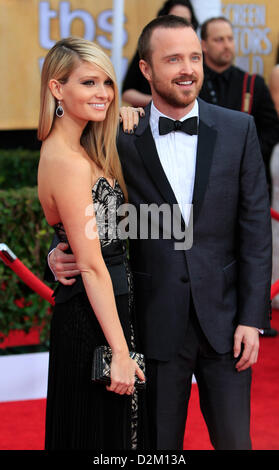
point(204, 26)
point(167, 21)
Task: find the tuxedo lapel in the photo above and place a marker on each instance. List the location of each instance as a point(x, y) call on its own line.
point(147, 149)
point(206, 142)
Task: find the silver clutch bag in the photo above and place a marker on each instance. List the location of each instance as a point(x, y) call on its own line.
point(102, 361)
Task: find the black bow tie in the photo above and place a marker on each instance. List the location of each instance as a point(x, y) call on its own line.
point(190, 125)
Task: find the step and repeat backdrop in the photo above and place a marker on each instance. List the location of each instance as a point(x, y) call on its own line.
point(256, 33)
point(28, 28)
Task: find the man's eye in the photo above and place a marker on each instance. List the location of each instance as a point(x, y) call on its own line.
point(173, 59)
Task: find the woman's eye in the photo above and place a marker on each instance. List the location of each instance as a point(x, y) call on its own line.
point(89, 82)
point(109, 82)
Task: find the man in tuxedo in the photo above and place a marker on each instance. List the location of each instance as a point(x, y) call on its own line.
point(198, 307)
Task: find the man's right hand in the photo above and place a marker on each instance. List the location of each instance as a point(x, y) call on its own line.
point(63, 265)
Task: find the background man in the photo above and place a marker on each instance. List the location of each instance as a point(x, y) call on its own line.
point(224, 84)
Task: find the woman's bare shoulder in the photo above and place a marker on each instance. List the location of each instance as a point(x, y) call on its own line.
point(57, 158)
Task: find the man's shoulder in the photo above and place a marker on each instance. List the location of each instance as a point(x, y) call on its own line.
point(231, 127)
point(240, 74)
point(125, 143)
point(124, 137)
point(222, 114)
point(237, 71)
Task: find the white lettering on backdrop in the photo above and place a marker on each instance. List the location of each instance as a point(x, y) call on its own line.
point(66, 16)
point(251, 34)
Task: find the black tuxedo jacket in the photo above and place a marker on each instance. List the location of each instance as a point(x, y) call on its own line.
point(227, 270)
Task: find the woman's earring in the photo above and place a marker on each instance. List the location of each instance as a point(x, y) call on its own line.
point(59, 110)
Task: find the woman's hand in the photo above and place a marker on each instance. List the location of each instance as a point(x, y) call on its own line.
point(130, 118)
point(123, 371)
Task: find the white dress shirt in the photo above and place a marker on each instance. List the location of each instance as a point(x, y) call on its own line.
point(177, 153)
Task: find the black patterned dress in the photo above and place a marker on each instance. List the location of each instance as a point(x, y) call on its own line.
point(82, 415)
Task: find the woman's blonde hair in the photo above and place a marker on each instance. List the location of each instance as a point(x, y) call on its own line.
point(98, 138)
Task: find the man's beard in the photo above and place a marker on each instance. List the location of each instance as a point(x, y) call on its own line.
point(225, 61)
point(171, 97)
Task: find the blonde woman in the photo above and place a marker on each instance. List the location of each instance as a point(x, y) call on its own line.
point(79, 166)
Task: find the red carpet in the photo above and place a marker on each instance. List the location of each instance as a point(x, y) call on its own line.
point(20, 338)
point(22, 423)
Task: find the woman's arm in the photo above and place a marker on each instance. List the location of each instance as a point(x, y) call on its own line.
point(136, 98)
point(71, 186)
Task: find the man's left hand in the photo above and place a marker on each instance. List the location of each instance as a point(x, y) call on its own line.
point(249, 337)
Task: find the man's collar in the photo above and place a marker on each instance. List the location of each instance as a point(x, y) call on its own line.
point(213, 74)
point(155, 114)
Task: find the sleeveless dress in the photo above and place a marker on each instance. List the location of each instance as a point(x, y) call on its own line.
point(80, 414)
